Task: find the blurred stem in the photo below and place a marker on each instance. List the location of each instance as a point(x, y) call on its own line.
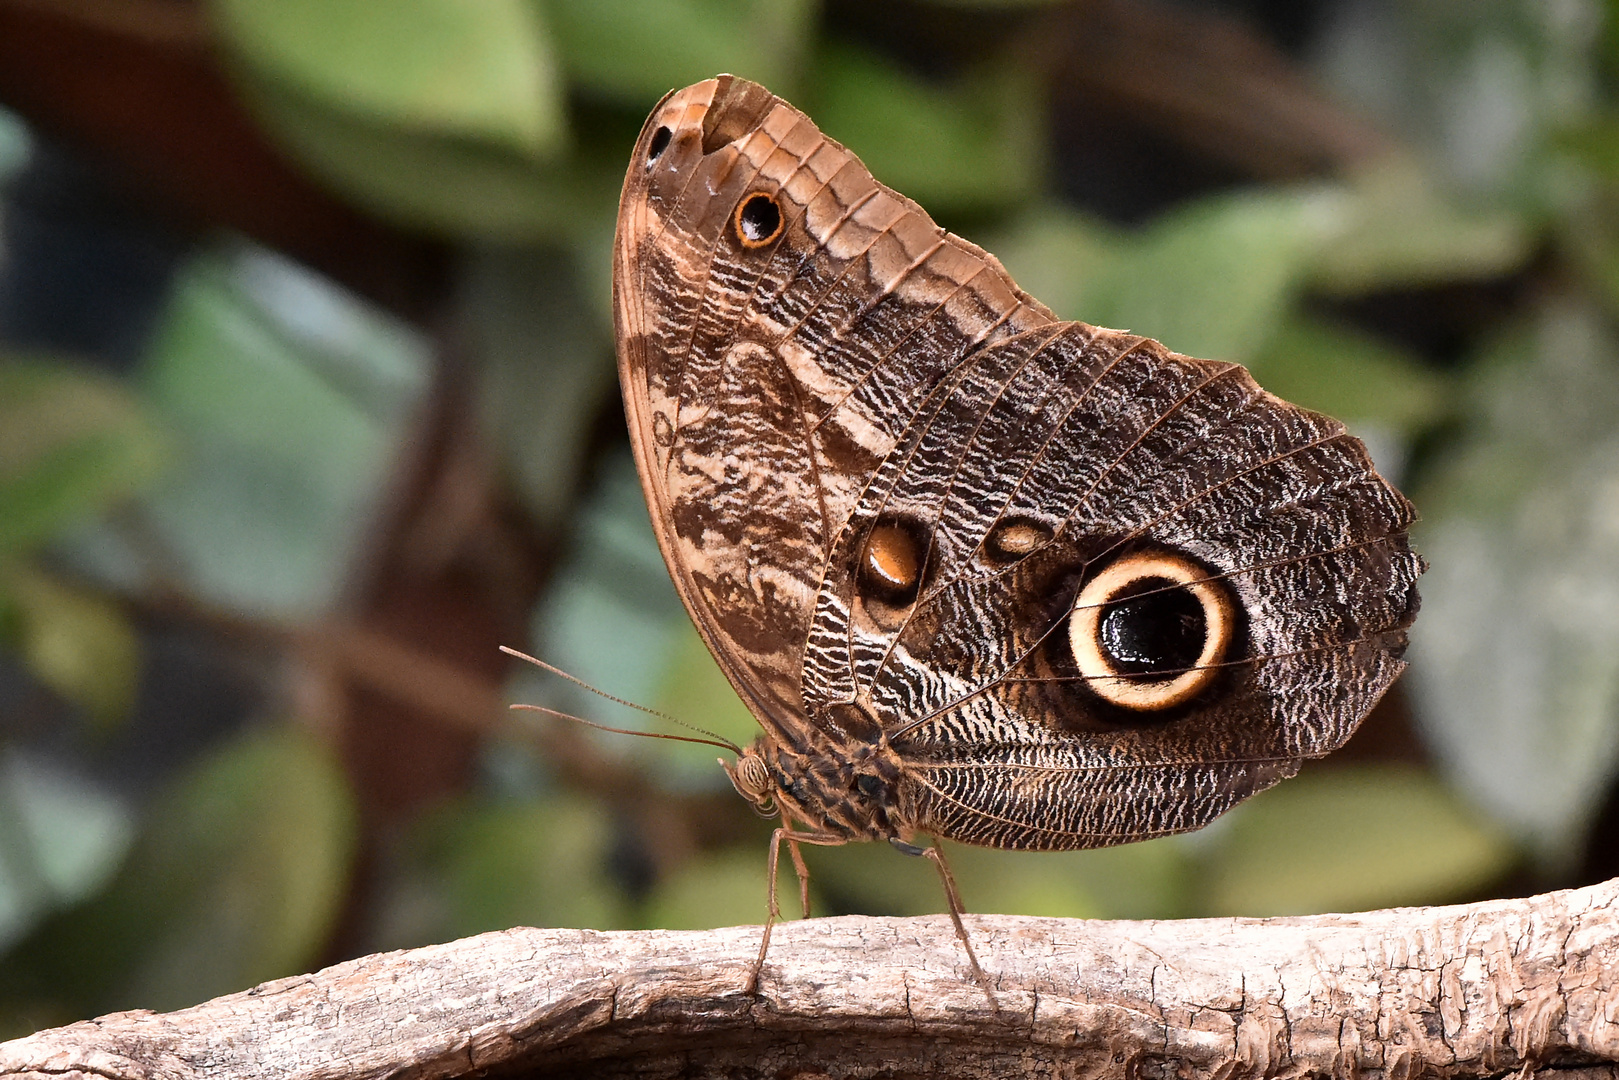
point(1203, 79)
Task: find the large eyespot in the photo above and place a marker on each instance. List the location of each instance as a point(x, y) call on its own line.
point(757, 221)
point(891, 564)
point(659, 143)
point(1149, 631)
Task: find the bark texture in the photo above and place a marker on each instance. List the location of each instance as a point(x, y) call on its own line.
point(1491, 989)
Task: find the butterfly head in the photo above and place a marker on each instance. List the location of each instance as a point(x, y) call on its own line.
point(751, 778)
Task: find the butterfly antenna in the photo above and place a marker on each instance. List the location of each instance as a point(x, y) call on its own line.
point(711, 740)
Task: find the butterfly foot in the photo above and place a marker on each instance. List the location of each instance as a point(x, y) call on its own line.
point(953, 897)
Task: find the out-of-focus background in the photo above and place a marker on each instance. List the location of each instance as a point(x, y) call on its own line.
point(307, 403)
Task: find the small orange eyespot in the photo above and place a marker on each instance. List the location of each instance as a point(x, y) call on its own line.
point(891, 557)
point(1009, 541)
point(891, 564)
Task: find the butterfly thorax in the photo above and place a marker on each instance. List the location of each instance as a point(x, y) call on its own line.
point(850, 791)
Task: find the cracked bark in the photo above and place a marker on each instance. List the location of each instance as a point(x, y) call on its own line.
point(1491, 989)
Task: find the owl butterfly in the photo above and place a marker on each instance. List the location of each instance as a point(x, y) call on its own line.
point(981, 574)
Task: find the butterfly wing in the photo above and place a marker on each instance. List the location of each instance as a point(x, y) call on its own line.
point(746, 357)
point(884, 478)
point(1045, 459)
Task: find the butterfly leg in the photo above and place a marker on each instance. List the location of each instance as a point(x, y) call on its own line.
point(803, 876)
point(773, 912)
point(953, 898)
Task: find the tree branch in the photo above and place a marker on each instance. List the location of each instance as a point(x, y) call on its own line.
point(1478, 990)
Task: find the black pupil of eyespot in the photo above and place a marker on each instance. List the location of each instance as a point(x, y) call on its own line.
point(1152, 628)
point(660, 143)
point(759, 217)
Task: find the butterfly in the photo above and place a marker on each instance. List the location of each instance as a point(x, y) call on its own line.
point(981, 574)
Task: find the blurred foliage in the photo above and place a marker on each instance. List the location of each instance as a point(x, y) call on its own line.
point(635, 51)
point(242, 469)
point(290, 403)
point(489, 864)
point(969, 146)
point(1525, 518)
point(481, 70)
point(235, 878)
point(71, 442)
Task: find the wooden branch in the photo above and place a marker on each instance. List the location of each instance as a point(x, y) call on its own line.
point(1486, 989)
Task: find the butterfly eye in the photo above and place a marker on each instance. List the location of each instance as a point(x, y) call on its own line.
point(659, 143)
point(1149, 631)
point(758, 220)
point(891, 564)
point(751, 778)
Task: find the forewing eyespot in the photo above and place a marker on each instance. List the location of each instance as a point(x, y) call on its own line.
point(1150, 630)
point(659, 143)
point(758, 220)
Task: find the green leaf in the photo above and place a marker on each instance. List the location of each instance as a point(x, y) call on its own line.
point(478, 866)
point(1060, 257)
point(1215, 279)
point(479, 70)
point(547, 369)
point(62, 836)
point(1148, 880)
point(1391, 229)
point(77, 642)
point(292, 400)
point(236, 878)
point(1516, 656)
point(867, 879)
point(1610, 34)
point(612, 619)
point(696, 690)
point(971, 145)
point(725, 889)
point(1348, 374)
point(437, 183)
point(1351, 838)
point(71, 443)
point(634, 51)
point(1596, 144)
point(1590, 237)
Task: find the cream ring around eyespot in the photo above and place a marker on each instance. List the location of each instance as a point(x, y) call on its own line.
point(1139, 692)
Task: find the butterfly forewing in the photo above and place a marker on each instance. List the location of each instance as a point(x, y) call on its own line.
point(747, 371)
point(884, 479)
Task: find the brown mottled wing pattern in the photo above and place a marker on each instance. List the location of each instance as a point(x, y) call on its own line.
point(1109, 442)
point(764, 387)
point(858, 368)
